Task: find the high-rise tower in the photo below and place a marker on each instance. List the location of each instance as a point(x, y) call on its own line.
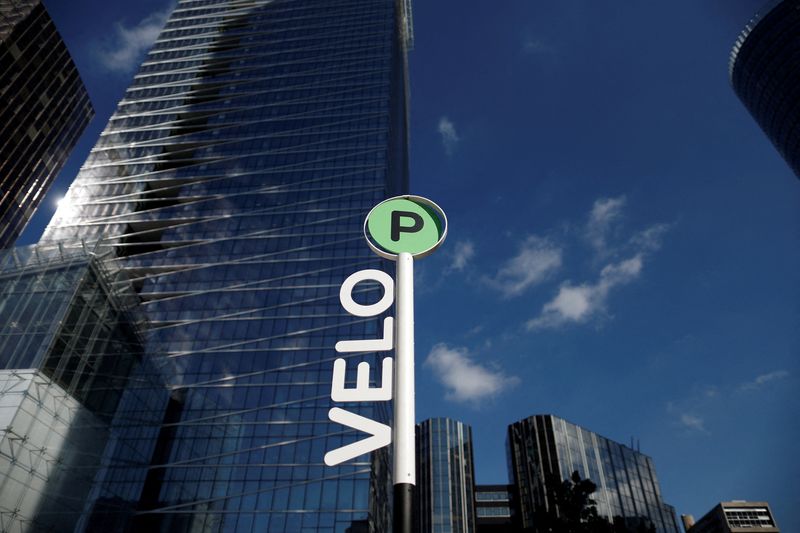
point(445, 477)
point(44, 108)
point(231, 186)
point(765, 73)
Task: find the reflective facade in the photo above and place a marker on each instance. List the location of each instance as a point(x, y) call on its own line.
point(44, 107)
point(445, 477)
point(231, 185)
point(71, 360)
point(765, 73)
point(544, 449)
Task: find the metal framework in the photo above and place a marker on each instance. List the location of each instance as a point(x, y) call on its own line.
point(74, 378)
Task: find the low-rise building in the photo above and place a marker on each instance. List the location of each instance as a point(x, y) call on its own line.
point(737, 516)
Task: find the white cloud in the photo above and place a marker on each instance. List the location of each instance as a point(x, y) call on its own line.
point(464, 379)
point(449, 135)
point(605, 212)
point(694, 410)
point(649, 240)
point(131, 42)
point(475, 330)
point(578, 303)
point(622, 272)
point(463, 253)
point(571, 303)
point(693, 422)
point(536, 260)
point(763, 379)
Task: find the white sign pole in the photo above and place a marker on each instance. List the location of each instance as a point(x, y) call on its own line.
point(405, 473)
point(404, 416)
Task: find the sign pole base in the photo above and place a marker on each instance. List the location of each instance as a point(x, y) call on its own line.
point(403, 512)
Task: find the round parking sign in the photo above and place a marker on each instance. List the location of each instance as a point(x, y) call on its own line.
point(410, 224)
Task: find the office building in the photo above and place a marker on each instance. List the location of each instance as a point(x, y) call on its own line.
point(493, 505)
point(734, 517)
point(545, 450)
point(44, 108)
point(765, 73)
point(71, 359)
point(445, 477)
point(231, 186)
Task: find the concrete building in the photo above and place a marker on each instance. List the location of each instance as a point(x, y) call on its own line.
point(493, 508)
point(737, 516)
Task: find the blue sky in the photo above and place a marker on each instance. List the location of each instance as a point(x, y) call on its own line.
point(623, 247)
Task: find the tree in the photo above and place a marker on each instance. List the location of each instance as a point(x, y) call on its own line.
point(572, 510)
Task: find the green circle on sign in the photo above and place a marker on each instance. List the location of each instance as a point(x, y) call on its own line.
point(408, 224)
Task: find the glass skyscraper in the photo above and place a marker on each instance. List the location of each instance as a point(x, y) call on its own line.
point(445, 477)
point(765, 73)
point(543, 452)
point(230, 186)
point(545, 449)
point(44, 108)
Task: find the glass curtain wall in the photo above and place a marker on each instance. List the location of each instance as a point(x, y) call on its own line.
point(231, 185)
point(445, 477)
point(544, 449)
point(764, 71)
point(44, 108)
point(73, 379)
